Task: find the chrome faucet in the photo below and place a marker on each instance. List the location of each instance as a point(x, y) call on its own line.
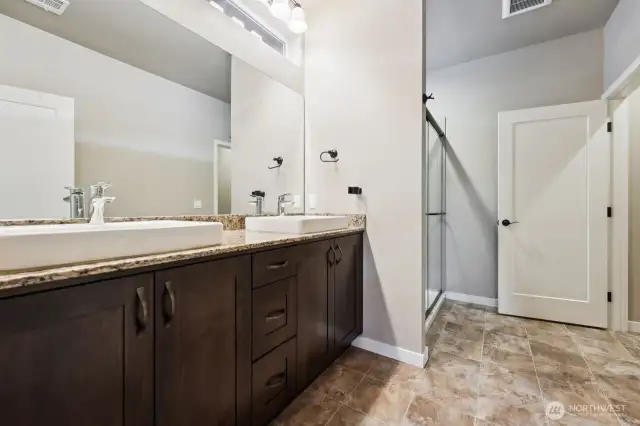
point(282, 203)
point(98, 202)
point(259, 201)
point(76, 202)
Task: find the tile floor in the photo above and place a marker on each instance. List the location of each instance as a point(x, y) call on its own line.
point(486, 369)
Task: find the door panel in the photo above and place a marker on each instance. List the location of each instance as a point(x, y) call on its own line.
point(346, 306)
point(553, 181)
point(315, 318)
point(78, 356)
point(197, 327)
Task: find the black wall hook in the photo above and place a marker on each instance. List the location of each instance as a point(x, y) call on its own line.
point(425, 98)
point(332, 153)
point(278, 161)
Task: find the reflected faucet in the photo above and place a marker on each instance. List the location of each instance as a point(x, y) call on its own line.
point(98, 202)
point(76, 202)
point(282, 203)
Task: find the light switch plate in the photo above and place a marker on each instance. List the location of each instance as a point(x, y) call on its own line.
point(313, 201)
point(297, 201)
point(197, 204)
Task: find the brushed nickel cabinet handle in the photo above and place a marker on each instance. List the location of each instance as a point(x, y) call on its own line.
point(272, 316)
point(276, 381)
point(278, 265)
point(341, 255)
point(330, 259)
point(142, 311)
point(168, 302)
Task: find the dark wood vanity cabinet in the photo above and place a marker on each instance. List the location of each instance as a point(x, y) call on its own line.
point(79, 356)
point(202, 355)
point(330, 303)
point(222, 342)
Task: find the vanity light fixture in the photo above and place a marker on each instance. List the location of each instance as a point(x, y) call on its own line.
point(280, 9)
point(298, 22)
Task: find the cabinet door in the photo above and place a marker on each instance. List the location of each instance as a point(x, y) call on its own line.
point(203, 344)
point(347, 311)
point(315, 300)
point(79, 356)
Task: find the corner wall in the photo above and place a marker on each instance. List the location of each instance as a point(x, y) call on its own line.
point(363, 95)
point(470, 95)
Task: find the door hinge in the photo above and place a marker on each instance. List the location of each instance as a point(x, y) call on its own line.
point(609, 297)
point(610, 127)
point(609, 211)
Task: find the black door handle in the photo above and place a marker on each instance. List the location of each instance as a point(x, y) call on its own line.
point(340, 250)
point(168, 302)
point(507, 222)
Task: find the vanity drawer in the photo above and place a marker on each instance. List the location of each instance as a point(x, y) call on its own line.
point(274, 383)
point(274, 265)
point(274, 315)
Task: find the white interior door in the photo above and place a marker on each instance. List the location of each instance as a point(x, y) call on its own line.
point(37, 154)
point(553, 185)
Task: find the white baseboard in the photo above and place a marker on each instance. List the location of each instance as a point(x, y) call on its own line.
point(432, 315)
point(634, 326)
point(467, 298)
point(390, 351)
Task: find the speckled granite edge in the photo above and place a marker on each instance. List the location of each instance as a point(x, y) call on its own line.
point(233, 242)
point(231, 222)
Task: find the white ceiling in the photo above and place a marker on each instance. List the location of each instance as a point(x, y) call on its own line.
point(131, 32)
point(463, 30)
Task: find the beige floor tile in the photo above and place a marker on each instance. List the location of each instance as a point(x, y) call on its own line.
point(431, 339)
point(622, 388)
point(446, 363)
point(504, 413)
point(463, 385)
point(391, 371)
point(614, 367)
point(381, 400)
point(337, 382)
point(551, 327)
point(560, 341)
point(590, 333)
point(551, 354)
point(461, 347)
point(309, 409)
point(563, 373)
point(347, 416)
point(501, 384)
point(612, 349)
point(519, 363)
point(628, 412)
point(511, 330)
point(425, 412)
point(468, 331)
point(507, 343)
point(504, 320)
point(570, 420)
point(358, 360)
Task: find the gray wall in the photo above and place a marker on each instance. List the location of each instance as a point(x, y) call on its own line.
point(621, 40)
point(634, 206)
point(363, 81)
point(470, 96)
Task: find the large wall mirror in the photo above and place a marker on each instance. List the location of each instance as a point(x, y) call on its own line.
point(115, 92)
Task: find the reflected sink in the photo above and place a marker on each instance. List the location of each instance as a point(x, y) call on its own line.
point(40, 246)
point(296, 224)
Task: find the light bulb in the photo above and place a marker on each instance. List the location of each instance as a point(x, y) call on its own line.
point(281, 9)
point(298, 23)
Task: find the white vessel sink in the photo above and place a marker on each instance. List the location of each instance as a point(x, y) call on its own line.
point(39, 246)
point(296, 224)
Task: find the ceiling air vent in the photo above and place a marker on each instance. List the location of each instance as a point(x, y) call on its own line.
point(516, 7)
point(53, 6)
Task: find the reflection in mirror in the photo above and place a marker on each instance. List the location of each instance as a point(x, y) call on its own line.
point(116, 92)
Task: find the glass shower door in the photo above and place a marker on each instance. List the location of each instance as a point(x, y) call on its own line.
point(435, 222)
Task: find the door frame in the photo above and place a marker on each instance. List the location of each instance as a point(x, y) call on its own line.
point(217, 144)
point(615, 96)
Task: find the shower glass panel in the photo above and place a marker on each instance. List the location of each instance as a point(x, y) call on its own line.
point(435, 224)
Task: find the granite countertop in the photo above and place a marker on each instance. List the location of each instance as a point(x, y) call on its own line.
point(233, 242)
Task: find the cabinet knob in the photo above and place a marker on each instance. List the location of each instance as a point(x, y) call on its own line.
point(331, 256)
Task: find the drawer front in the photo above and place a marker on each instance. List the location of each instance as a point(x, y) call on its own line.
point(274, 265)
point(274, 315)
point(274, 383)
